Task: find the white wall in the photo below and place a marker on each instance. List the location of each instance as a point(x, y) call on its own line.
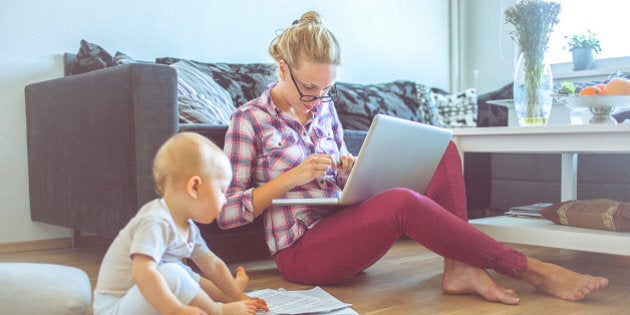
point(485, 45)
point(381, 41)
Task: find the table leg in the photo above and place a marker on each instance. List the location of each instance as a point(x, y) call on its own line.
point(568, 180)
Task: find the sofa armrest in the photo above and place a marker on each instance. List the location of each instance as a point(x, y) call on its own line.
point(91, 139)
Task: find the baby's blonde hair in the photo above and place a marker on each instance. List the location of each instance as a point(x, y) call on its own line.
point(307, 39)
point(184, 155)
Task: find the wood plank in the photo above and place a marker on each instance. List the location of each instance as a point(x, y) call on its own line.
point(407, 281)
point(28, 246)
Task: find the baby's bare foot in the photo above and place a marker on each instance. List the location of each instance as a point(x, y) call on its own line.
point(560, 282)
point(460, 278)
point(241, 278)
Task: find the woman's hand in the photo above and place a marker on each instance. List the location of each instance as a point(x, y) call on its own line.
point(315, 166)
point(345, 164)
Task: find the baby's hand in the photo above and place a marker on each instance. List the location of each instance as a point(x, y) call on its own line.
point(260, 304)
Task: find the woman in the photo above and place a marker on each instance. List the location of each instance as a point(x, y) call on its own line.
point(288, 143)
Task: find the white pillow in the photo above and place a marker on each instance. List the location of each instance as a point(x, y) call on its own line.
point(37, 288)
point(457, 110)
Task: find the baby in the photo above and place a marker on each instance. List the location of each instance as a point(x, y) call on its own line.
point(142, 271)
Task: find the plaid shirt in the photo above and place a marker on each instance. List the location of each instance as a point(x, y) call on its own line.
point(262, 143)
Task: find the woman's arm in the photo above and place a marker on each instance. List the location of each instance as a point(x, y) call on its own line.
point(314, 166)
point(239, 147)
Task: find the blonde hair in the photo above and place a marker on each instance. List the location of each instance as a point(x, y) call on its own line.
point(306, 39)
point(184, 155)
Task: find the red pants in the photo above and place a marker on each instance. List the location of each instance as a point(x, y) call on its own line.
point(351, 240)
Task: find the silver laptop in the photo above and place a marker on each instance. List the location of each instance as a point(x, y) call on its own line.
point(395, 153)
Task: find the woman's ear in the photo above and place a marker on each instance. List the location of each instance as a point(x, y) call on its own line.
point(192, 186)
point(283, 69)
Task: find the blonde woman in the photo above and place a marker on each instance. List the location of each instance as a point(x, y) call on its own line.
point(288, 143)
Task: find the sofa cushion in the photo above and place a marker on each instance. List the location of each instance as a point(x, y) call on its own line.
point(200, 98)
point(243, 82)
point(358, 104)
point(91, 57)
point(603, 214)
point(428, 111)
point(456, 110)
point(120, 58)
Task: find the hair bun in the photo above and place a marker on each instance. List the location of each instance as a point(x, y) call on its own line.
point(310, 17)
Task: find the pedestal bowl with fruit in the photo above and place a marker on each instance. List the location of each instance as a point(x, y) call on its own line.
point(601, 99)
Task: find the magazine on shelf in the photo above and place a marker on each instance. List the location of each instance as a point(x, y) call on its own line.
point(531, 211)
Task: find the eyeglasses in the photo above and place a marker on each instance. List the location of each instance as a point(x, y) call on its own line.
point(331, 92)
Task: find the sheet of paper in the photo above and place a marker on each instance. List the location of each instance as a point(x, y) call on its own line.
point(321, 293)
point(314, 301)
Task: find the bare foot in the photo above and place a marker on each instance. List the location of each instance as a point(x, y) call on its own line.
point(460, 278)
point(560, 282)
point(241, 278)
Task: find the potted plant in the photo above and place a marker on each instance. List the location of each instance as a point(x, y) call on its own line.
point(583, 47)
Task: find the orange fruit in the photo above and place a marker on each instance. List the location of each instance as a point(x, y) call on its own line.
point(590, 90)
point(617, 86)
point(600, 86)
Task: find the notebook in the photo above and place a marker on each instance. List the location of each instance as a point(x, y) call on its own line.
point(395, 153)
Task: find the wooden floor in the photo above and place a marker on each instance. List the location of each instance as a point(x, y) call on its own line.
point(407, 281)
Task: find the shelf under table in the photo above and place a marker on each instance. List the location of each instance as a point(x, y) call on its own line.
point(542, 232)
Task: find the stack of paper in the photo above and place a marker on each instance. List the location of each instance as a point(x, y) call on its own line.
point(313, 301)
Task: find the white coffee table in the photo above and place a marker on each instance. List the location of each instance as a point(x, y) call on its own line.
point(569, 141)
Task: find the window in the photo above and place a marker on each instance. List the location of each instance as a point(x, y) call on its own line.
point(606, 18)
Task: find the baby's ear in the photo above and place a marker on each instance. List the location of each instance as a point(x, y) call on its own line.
point(192, 186)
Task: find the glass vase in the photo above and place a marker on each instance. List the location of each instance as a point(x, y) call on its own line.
point(533, 90)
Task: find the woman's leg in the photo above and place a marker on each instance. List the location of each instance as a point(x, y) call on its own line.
point(351, 240)
point(447, 187)
point(346, 243)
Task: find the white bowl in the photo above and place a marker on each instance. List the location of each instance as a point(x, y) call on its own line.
point(601, 106)
point(588, 101)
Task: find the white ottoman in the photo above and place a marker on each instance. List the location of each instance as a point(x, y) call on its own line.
point(34, 288)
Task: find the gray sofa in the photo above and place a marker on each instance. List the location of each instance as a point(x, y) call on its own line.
point(92, 136)
point(91, 141)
